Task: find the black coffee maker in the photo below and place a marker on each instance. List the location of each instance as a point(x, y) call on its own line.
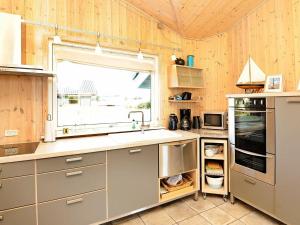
point(173, 120)
point(185, 119)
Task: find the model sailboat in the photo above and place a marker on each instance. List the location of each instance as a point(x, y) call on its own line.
point(252, 77)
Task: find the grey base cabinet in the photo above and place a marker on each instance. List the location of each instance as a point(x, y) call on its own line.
point(255, 192)
point(78, 210)
point(19, 216)
point(132, 179)
point(288, 159)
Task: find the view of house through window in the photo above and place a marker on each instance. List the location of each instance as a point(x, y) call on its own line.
point(91, 94)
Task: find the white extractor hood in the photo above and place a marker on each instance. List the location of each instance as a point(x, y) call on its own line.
point(11, 50)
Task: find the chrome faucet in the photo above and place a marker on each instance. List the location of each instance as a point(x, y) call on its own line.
point(143, 126)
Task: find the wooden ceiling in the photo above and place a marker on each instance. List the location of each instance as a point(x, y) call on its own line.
point(197, 18)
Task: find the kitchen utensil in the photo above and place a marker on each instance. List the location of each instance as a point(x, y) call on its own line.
point(196, 122)
point(190, 60)
point(180, 61)
point(214, 182)
point(173, 120)
point(186, 96)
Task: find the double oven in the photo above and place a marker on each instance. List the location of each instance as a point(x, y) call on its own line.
point(252, 137)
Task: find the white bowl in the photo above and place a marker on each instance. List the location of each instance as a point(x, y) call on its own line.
point(209, 152)
point(215, 182)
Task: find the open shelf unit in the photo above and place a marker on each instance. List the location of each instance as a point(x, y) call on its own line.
point(219, 158)
point(185, 77)
point(170, 195)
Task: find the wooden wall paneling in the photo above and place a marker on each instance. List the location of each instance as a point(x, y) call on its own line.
point(296, 14)
point(270, 35)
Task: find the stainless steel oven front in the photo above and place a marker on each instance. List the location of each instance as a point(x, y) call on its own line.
point(252, 137)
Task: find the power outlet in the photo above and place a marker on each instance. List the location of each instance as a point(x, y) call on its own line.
point(11, 133)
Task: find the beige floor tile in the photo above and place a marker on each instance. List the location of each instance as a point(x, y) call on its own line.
point(201, 205)
point(217, 216)
point(256, 217)
point(129, 220)
point(195, 220)
point(156, 216)
point(179, 211)
point(237, 210)
point(237, 222)
point(216, 199)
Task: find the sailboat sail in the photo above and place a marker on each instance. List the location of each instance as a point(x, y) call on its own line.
point(251, 75)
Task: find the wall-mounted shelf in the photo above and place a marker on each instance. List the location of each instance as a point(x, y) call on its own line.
point(25, 71)
point(184, 101)
point(185, 77)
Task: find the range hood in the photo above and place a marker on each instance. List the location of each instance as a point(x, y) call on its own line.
point(10, 45)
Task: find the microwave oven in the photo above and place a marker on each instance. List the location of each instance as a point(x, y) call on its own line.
point(215, 120)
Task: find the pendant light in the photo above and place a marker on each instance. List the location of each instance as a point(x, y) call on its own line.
point(98, 49)
point(56, 38)
point(140, 55)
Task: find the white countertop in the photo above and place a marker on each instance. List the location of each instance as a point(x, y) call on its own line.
point(79, 145)
point(281, 94)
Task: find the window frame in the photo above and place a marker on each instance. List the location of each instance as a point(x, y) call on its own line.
point(98, 128)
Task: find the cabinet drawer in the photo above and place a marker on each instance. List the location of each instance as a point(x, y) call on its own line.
point(16, 192)
point(68, 162)
point(258, 193)
point(16, 169)
point(77, 210)
point(20, 216)
point(66, 183)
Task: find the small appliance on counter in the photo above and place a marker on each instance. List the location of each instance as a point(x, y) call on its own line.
point(196, 122)
point(185, 119)
point(179, 61)
point(173, 120)
point(215, 120)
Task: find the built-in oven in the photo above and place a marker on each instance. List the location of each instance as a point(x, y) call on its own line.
point(252, 137)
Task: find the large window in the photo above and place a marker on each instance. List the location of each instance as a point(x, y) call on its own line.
point(98, 91)
point(89, 95)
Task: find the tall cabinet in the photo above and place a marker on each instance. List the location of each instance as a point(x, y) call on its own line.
point(287, 196)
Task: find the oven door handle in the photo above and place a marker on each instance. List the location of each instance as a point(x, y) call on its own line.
point(253, 154)
point(253, 111)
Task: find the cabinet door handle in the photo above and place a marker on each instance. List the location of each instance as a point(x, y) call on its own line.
point(76, 159)
point(135, 150)
point(74, 201)
point(1, 218)
point(1, 185)
point(70, 174)
point(250, 181)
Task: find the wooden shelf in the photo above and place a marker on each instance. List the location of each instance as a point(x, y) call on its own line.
point(181, 192)
point(185, 101)
point(188, 67)
point(208, 189)
point(175, 194)
point(216, 157)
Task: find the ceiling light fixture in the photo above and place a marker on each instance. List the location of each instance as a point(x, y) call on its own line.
point(98, 48)
point(140, 55)
point(56, 38)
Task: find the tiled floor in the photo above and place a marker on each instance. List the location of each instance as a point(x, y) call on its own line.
point(212, 211)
